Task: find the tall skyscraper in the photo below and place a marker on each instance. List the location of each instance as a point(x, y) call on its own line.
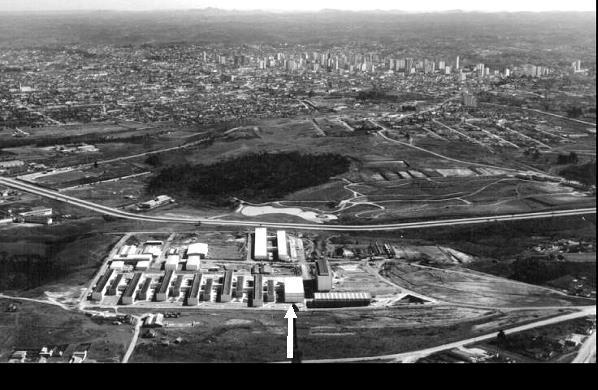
point(457, 63)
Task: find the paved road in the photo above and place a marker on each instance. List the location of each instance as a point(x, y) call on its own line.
point(13, 183)
point(410, 357)
point(587, 352)
point(133, 342)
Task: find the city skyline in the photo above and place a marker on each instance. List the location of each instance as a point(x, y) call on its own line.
point(308, 5)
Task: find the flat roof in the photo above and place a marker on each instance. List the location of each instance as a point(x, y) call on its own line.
point(293, 285)
point(281, 243)
point(198, 248)
point(260, 247)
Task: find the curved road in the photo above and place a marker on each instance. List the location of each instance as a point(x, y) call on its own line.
point(51, 194)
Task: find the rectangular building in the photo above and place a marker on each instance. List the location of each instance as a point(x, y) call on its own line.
point(239, 288)
point(129, 295)
point(293, 290)
point(193, 295)
point(176, 289)
point(341, 299)
point(227, 286)
point(198, 249)
point(260, 245)
point(114, 286)
point(323, 275)
point(281, 245)
point(142, 265)
point(172, 262)
point(258, 292)
point(144, 289)
point(162, 292)
point(192, 263)
point(100, 288)
point(207, 293)
point(271, 294)
point(117, 265)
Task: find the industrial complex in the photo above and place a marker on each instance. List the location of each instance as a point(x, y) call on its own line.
point(157, 273)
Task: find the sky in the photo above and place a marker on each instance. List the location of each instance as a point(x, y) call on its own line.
point(304, 5)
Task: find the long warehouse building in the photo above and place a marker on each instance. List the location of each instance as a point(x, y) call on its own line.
point(207, 293)
point(144, 289)
point(258, 292)
point(162, 292)
point(100, 289)
point(260, 245)
point(193, 297)
point(341, 299)
point(128, 296)
point(227, 286)
point(113, 289)
point(281, 245)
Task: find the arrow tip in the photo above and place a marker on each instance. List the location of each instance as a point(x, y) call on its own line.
point(290, 313)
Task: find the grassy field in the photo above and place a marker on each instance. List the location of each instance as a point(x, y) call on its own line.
point(32, 257)
point(463, 287)
point(260, 336)
point(36, 325)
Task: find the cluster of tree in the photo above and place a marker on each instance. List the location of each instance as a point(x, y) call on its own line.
point(571, 158)
point(585, 173)
point(536, 271)
point(539, 271)
point(255, 177)
point(574, 112)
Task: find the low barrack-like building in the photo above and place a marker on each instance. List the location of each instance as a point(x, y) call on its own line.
point(341, 299)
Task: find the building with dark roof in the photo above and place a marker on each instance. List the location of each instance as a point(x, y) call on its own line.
point(128, 296)
point(239, 287)
point(227, 286)
point(323, 275)
point(193, 295)
point(258, 292)
point(142, 295)
point(162, 292)
point(114, 286)
point(100, 288)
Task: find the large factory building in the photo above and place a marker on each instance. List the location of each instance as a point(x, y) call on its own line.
point(260, 245)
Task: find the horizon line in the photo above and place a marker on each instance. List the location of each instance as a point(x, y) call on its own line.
point(274, 10)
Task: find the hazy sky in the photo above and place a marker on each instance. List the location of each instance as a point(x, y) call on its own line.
point(406, 5)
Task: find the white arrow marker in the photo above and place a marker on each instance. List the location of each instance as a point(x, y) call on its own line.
point(290, 316)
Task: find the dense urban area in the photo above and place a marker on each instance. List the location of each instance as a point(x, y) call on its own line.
point(417, 187)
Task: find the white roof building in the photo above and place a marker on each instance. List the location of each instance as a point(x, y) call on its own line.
point(117, 264)
point(260, 247)
point(142, 265)
point(192, 263)
point(199, 249)
point(281, 244)
point(172, 262)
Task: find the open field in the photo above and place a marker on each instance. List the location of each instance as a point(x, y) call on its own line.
point(35, 325)
point(474, 289)
point(260, 336)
